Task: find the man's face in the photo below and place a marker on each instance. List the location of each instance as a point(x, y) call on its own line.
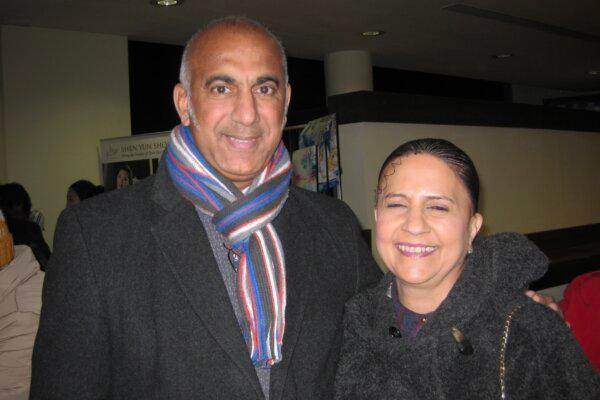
point(236, 104)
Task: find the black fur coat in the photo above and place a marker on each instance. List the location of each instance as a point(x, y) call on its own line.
point(543, 361)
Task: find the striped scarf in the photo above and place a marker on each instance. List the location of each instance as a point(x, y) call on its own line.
point(244, 218)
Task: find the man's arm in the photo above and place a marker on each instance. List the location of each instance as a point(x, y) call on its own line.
point(71, 353)
point(367, 271)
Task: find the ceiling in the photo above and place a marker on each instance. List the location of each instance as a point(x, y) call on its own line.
point(554, 43)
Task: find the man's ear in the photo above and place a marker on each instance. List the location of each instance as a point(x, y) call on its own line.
point(288, 96)
point(180, 99)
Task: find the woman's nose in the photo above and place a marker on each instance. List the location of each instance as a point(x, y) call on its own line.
point(415, 222)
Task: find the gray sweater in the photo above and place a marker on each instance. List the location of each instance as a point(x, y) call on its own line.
point(543, 361)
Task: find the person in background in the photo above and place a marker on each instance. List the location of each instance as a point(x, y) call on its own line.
point(38, 217)
point(15, 203)
point(82, 190)
point(581, 309)
point(124, 177)
point(20, 302)
point(451, 320)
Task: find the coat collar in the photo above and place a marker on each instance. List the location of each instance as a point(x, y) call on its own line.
point(500, 267)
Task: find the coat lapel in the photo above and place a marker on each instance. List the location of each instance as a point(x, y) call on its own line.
point(297, 244)
point(182, 239)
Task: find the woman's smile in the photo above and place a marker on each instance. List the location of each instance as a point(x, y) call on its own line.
point(413, 250)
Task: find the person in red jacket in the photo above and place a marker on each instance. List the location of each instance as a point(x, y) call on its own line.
point(580, 307)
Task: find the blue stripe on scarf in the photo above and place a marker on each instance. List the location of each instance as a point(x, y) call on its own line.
point(183, 181)
point(260, 201)
point(259, 305)
point(191, 145)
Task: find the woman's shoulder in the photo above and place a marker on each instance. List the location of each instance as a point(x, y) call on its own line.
point(537, 318)
point(543, 331)
point(368, 308)
point(369, 297)
point(541, 345)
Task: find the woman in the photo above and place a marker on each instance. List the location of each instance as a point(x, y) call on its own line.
point(450, 320)
point(82, 190)
point(124, 177)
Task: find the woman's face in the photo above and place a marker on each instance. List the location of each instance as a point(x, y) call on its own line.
point(72, 198)
point(122, 179)
point(424, 222)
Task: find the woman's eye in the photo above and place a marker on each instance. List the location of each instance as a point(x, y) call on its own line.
point(395, 205)
point(439, 208)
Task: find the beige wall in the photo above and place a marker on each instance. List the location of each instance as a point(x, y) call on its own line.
point(63, 91)
point(2, 145)
point(532, 180)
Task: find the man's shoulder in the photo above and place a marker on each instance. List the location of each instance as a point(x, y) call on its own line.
point(312, 202)
point(128, 200)
point(116, 211)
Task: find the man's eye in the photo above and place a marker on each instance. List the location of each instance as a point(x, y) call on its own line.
point(220, 89)
point(266, 90)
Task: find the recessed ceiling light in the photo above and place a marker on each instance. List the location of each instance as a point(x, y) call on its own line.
point(372, 33)
point(166, 3)
point(501, 56)
point(594, 72)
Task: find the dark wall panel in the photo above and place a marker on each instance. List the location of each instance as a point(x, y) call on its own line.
point(153, 71)
point(412, 82)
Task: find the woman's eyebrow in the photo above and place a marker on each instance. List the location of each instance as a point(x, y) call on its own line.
point(391, 195)
point(440, 197)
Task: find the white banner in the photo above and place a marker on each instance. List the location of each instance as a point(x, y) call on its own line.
point(126, 160)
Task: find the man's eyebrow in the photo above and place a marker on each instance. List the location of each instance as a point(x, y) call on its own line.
point(223, 78)
point(267, 78)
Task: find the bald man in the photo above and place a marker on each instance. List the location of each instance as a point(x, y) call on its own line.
point(214, 279)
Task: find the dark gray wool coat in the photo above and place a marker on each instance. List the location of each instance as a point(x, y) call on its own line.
point(134, 305)
point(543, 360)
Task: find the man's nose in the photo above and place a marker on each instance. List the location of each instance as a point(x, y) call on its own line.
point(415, 222)
point(245, 111)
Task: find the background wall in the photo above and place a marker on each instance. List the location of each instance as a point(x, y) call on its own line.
point(532, 179)
point(2, 145)
point(62, 92)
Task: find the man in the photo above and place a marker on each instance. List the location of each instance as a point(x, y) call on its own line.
point(214, 279)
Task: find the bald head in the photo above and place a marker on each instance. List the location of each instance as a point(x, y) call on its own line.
point(227, 24)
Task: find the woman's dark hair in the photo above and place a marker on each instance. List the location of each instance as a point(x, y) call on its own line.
point(446, 151)
point(15, 201)
point(86, 189)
